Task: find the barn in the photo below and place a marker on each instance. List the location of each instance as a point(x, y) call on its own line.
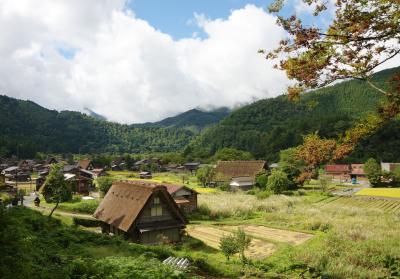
point(142, 212)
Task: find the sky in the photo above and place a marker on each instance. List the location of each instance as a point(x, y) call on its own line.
point(135, 61)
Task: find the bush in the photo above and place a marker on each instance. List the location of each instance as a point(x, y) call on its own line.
point(278, 181)
point(86, 222)
point(373, 171)
point(104, 184)
point(84, 206)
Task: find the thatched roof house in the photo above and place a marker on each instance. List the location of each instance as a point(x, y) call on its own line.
point(143, 212)
point(85, 164)
point(226, 170)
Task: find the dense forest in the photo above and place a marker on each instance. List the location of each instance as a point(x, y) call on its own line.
point(27, 128)
point(268, 126)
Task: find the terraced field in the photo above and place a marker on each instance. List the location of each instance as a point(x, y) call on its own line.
point(261, 245)
point(390, 206)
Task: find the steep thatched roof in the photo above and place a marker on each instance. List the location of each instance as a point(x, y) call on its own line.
point(125, 201)
point(84, 164)
point(226, 170)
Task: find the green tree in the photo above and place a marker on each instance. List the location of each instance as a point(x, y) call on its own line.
point(396, 175)
point(228, 245)
point(362, 36)
point(56, 189)
point(278, 181)
point(230, 154)
point(262, 180)
point(373, 171)
point(291, 164)
point(205, 175)
point(104, 184)
point(243, 242)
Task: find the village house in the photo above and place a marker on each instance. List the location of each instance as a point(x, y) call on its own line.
point(184, 197)
point(81, 180)
point(26, 165)
point(346, 172)
point(357, 173)
point(142, 212)
point(118, 164)
point(145, 175)
point(50, 161)
point(85, 164)
point(98, 172)
point(389, 167)
point(239, 174)
point(339, 172)
point(192, 166)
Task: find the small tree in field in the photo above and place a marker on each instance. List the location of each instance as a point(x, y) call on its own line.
point(243, 241)
point(205, 175)
point(56, 189)
point(237, 242)
point(278, 181)
point(228, 246)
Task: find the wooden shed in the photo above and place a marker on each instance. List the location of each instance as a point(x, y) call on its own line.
point(142, 212)
point(184, 197)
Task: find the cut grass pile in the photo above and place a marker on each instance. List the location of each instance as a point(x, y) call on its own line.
point(380, 192)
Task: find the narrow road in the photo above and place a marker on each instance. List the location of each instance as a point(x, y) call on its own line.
point(28, 202)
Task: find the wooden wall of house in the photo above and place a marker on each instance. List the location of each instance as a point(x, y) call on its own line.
point(146, 216)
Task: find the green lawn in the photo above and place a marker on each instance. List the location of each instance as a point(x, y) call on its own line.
point(380, 192)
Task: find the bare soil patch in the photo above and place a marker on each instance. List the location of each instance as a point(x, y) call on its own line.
point(210, 236)
point(290, 237)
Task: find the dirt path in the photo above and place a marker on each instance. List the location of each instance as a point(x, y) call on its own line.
point(28, 202)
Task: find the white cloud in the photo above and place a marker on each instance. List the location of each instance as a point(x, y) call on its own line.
point(123, 68)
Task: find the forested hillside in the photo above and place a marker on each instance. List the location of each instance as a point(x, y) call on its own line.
point(27, 128)
point(268, 126)
point(196, 119)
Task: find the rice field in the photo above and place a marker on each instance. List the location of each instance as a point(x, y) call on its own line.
point(388, 206)
point(380, 192)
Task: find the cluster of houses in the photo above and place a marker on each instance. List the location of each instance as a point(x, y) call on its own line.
point(80, 175)
point(354, 172)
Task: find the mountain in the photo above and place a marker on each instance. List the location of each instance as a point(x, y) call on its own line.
point(194, 118)
point(27, 128)
point(268, 126)
point(94, 114)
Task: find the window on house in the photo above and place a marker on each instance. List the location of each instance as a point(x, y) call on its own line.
point(156, 211)
point(156, 200)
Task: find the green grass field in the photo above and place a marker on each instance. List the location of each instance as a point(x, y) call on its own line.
point(380, 192)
